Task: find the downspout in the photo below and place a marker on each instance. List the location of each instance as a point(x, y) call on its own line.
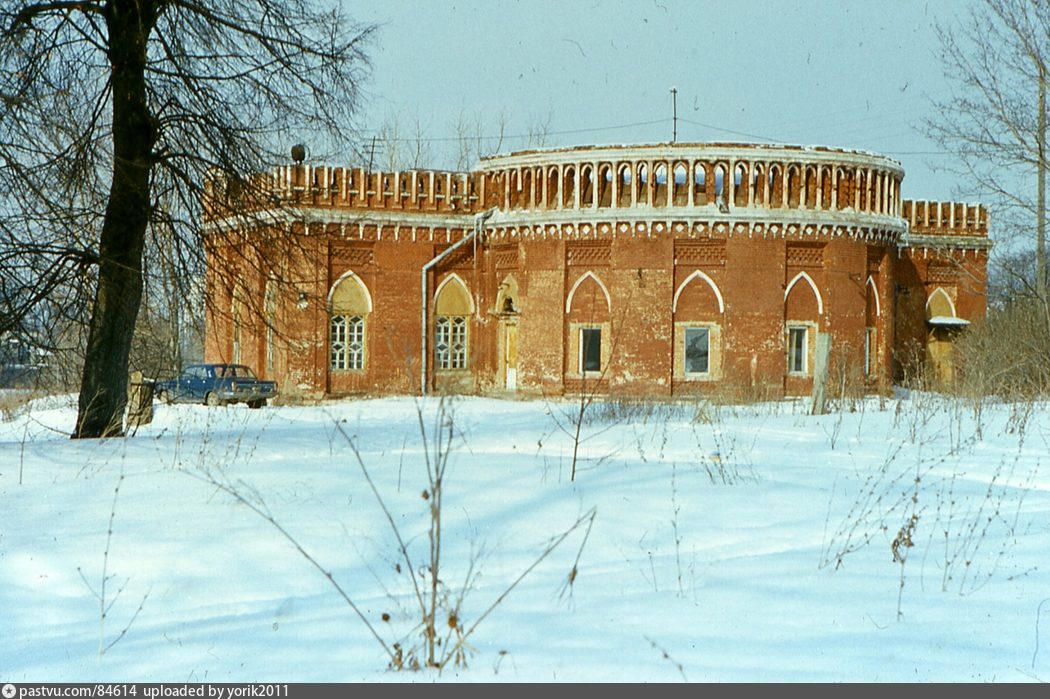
point(479, 221)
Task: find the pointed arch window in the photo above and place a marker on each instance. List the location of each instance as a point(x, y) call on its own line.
point(349, 306)
point(453, 306)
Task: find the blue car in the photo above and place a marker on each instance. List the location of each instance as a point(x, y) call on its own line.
point(216, 384)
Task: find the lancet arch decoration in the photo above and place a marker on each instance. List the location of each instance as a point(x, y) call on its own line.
point(803, 276)
point(708, 280)
point(576, 285)
point(870, 285)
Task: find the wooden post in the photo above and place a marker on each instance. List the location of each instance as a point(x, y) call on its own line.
point(821, 355)
point(140, 400)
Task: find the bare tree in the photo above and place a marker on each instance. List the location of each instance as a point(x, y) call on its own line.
point(539, 131)
point(995, 58)
point(108, 107)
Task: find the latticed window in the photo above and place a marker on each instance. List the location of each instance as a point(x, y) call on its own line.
point(347, 342)
point(452, 308)
point(349, 305)
point(450, 342)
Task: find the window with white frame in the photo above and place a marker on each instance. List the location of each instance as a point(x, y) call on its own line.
point(347, 342)
point(797, 349)
point(697, 351)
point(348, 306)
point(450, 342)
point(590, 350)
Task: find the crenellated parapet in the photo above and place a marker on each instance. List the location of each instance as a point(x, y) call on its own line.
point(415, 191)
point(944, 225)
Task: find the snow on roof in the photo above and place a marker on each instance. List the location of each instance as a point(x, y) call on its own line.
point(948, 321)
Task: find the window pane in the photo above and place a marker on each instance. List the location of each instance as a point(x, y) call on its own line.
point(697, 351)
point(442, 339)
point(797, 350)
point(591, 348)
point(355, 343)
point(337, 342)
point(458, 349)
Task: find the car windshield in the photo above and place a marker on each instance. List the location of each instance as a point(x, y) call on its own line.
point(236, 371)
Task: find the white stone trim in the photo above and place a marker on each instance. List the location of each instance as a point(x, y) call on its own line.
point(572, 291)
point(466, 290)
point(812, 284)
point(710, 282)
point(349, 274)
point(951, 304)
point(878, 304)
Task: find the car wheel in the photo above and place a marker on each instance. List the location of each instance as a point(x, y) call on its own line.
point(213, 400)
point(256, 404)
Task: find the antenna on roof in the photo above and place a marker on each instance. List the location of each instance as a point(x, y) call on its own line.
point(674, 114)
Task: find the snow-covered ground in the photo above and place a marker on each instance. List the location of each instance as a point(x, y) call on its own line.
point(733, 544)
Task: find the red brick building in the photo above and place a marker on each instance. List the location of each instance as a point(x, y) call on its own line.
point(640, 270)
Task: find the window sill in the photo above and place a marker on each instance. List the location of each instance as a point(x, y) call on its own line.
point(698, 377)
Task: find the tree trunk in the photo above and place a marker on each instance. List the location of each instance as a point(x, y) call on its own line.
point(103, 387)
point(1040, 205)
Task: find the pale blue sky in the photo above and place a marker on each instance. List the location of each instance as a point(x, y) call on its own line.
point(851, 74)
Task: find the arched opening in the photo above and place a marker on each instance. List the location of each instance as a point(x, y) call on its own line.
point(507, 297)
point(810, 184)
point(586, 186)
point(641, 193)
point(776, 187)
point(552, 188)
point(525, 200)
point(680, 195)
point(700, 184)
point(515, 189)
point(740, 185)
point(508, 306)
point(721, 198)
point(605, 185)
point(568, 187)
point(794, 187)
point(623, 186)
point(758, 185)
point(660, 184)
point(825, 187)
point(844, 195)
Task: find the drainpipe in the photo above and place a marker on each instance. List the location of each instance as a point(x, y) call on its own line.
point(479, 221)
